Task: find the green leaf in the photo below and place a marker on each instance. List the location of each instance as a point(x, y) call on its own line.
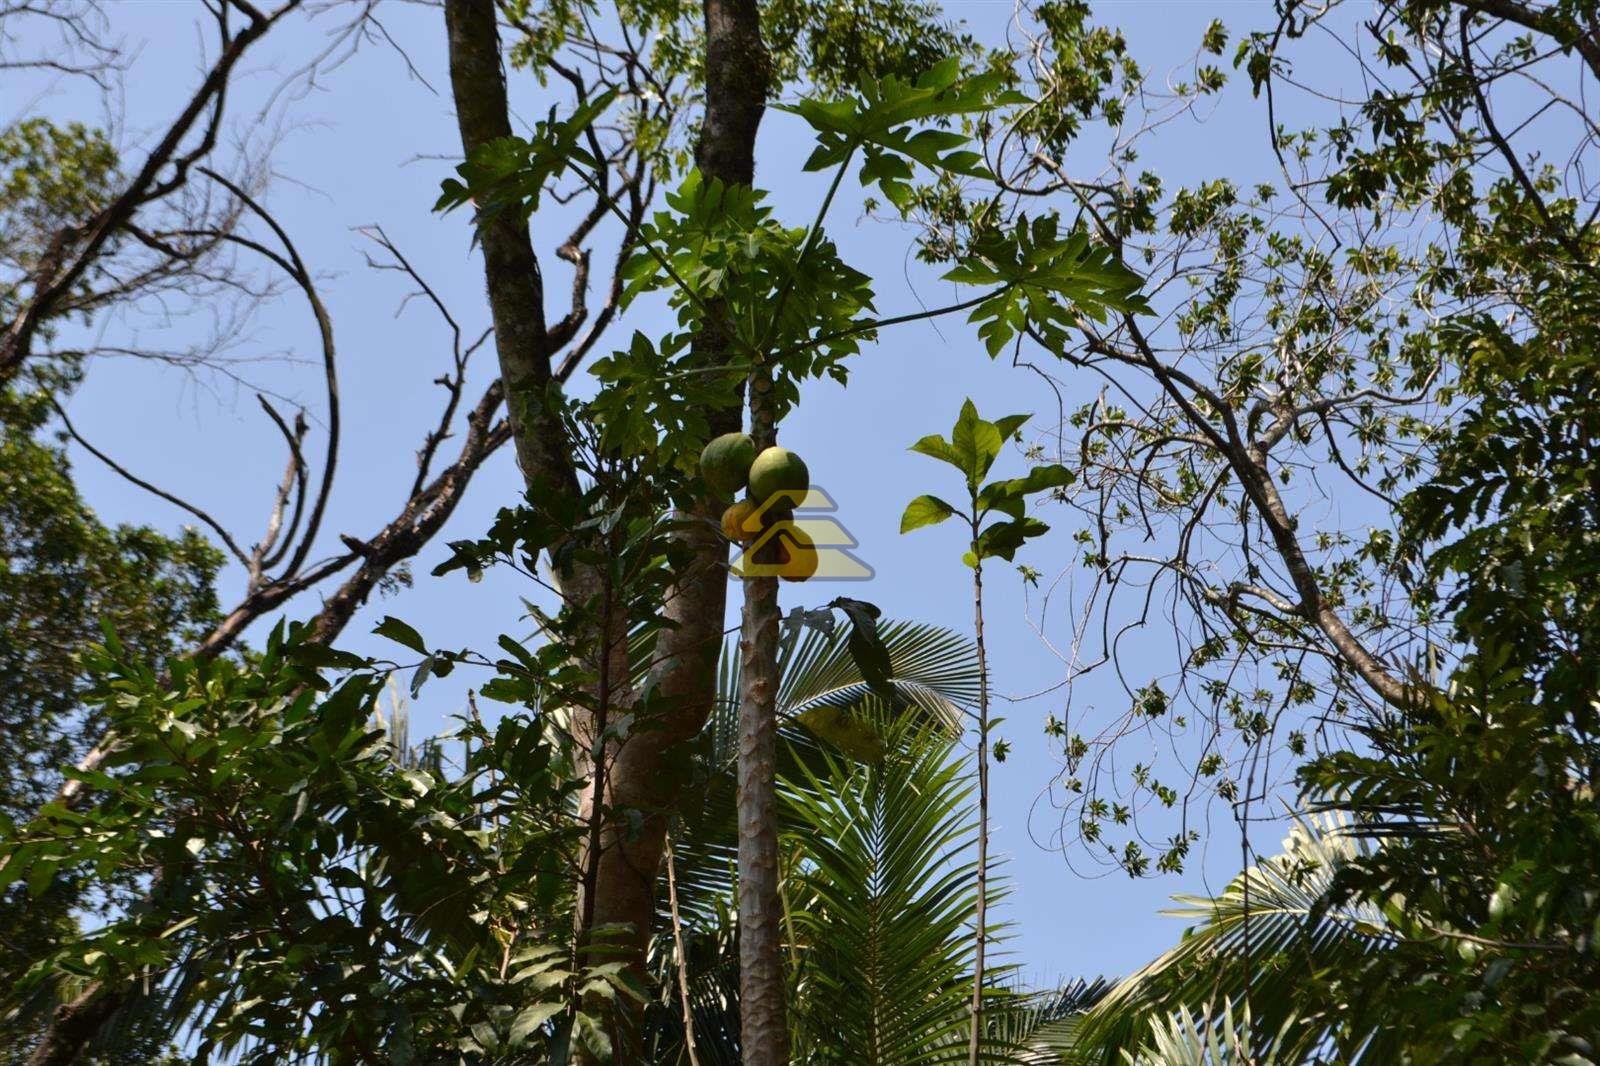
point(936, 447)
point(1008, 496)
point(976, 442)
point(512, 174)
point(1004, 538)
point(530, 1019)
point(925, 511)
point(1045, 282)
point(867, 648)
point(401, 633)
point(1009, 424)
point(40, 877)
point(887, 897)
point(895, 123)
point(320, 656)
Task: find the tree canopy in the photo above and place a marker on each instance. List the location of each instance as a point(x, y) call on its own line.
point(1305, 515)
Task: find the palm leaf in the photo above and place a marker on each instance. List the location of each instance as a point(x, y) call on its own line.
point(1182, 1039)
point(1257, 945)
point(934, 669)
point(712, 953)
point(1033, 1023)
point(885, 948)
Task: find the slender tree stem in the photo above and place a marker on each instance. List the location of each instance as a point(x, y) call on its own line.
point(683, 961)
point(983, 799)
point(597, 796)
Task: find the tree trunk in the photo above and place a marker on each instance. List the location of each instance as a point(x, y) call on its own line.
point(511, 270)
point(74, 1024)
point(647, 772)
point(764, 1025)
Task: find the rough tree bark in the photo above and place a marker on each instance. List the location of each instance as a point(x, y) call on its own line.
point(649, 770)
point(644, 773)
point(511, 270)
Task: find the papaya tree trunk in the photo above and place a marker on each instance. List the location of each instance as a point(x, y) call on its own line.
point(764, 1025)
point(651, 768)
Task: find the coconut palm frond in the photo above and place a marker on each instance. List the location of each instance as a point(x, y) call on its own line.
point(1260, 943)
point(885, 947)
point(1033, 1023)
point(934, 669)
point(1181, 1039)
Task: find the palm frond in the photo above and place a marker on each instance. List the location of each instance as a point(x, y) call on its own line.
point(1182, 1039)
point(712, 955)
point(1032, 1023)
point(885, 948)
point(934, 669)
point(822, 688)
point(1259, 944)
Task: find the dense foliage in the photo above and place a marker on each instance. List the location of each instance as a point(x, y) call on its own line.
point(660, 846)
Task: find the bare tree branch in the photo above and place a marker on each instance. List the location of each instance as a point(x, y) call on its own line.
point(76, 247)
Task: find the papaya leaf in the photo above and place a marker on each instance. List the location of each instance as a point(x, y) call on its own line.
point(893, 123)
point(1044, 280)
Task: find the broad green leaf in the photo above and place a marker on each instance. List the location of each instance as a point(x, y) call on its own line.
point(925, 511)
point(1008, 495)
point(1004, 538)
point(530, 1019)
point(936, 447)
point(976, 442)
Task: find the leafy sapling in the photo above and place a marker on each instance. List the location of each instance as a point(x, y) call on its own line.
point(997, 524)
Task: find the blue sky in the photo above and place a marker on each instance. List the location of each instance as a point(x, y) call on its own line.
point(368, 145)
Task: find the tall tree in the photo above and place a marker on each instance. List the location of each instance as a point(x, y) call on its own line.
point(736, 87)
point(1411, 315)
point(630, 652)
